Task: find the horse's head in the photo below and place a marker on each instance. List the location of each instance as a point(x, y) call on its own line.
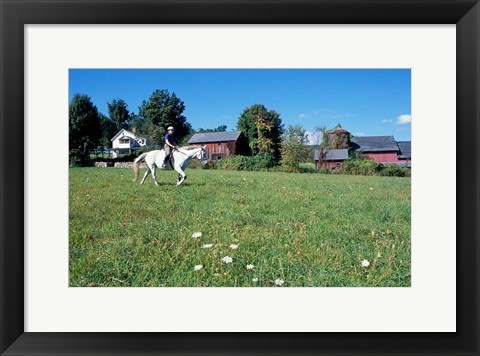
point(202, 155)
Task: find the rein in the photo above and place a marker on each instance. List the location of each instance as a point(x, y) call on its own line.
point(183, 152)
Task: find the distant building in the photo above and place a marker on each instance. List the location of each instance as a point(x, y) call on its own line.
point(338, 138)
point(330, 158)
point(382, 149)
point(405, 155)
point(220, 145)
point(127, 141)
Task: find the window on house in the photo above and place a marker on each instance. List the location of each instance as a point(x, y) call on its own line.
point(124, 140)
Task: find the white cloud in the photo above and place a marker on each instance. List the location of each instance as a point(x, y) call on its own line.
point(386, 121)
point(359, 134)
point(302, 116)
point(404, 119)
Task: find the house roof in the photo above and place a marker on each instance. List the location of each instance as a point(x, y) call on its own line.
point(332, 155)
point(142, 141)
point(405, 149)
point(374, 144)
point(215, 137)
point(127, 133)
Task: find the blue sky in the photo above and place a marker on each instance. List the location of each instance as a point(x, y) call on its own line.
point(366, 102)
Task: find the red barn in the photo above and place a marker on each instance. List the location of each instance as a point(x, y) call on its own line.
point(219, 145)
point(330, 158)
point(382, 149)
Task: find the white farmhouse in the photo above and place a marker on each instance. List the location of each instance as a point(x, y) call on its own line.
point(126, 141)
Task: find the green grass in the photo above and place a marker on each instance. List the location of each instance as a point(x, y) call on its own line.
point(307, 229)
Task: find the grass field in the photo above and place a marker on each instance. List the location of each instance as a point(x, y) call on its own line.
point(302, 229)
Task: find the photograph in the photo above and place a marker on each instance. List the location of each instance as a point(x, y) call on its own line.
point(240, 177)
point(262, 149)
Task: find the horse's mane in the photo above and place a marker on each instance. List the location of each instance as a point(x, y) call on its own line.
point(189, 147)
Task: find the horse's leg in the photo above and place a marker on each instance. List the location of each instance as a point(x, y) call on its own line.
point(154, 175)
point(146, 175)
point(181, 176)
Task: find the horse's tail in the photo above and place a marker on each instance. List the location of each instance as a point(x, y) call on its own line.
point(136, 165)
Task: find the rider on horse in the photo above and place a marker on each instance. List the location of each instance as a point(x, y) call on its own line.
point(170, 145)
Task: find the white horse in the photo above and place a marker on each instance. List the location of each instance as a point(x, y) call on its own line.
point(178, 161)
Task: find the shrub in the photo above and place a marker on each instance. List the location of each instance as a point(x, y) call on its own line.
point(195, 164)
point(369, 167)
point(395, 171)
point(324, 170)
point(233, 163)
point(77, 158)
point(361, 167)
point(244, 163)
point(122, 158)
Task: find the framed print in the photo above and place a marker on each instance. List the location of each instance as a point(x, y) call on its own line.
point(53, 291)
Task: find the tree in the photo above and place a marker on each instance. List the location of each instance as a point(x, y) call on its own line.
point(221, 128)
point(294, 147)
point(316, 137)
point(160, 111)
point(118, 112)
point(263, 130)
point(85, 131)
point(109, 129)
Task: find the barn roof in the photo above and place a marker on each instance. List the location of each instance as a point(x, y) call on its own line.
point(332, 155)
point(215, 137)
point(405, 149)
point(374, 144)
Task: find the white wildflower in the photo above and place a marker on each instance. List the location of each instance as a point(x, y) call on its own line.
point(279, 281)
point(365, 263)
point(371, 188)
point(233, 246)
point(255, 279)
point(227, 259)
point(196, 235)
point(207, 245)
point(198, 267)
point(250, 266)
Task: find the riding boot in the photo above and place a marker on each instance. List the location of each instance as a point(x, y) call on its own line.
point(164, 165)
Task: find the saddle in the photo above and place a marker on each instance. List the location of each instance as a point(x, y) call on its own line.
point(167, 162)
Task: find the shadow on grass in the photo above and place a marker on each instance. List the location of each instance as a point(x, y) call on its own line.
point(169, 184)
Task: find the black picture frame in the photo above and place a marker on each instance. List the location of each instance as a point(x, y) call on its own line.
point(15, 14)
